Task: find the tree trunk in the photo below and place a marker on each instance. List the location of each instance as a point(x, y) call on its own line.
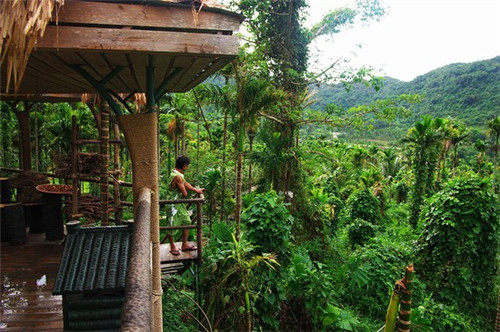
point(223, 170)
point(237, 213)
point(23, 117)
point(495, 160)
point(36, 138)
point(250, 166)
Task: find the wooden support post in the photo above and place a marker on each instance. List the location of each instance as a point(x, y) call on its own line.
point(74, 167)
point(116, 172)
point(104, 152)
point(140, 132)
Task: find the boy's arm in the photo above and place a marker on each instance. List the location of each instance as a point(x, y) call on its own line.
point(180, 185)
point(193, 189)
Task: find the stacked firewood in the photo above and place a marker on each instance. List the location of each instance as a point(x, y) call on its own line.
point(89, 164)
point(64, 167)
point(26, 183)
point(89, 206)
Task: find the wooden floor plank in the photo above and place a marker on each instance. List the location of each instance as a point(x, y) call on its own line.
point(25, 304)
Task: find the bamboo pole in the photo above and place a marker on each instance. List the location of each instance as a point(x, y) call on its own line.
point(74, 168)
point(116, 172)
point(104, 151)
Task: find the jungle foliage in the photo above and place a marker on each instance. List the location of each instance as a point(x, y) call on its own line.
point(305, 229)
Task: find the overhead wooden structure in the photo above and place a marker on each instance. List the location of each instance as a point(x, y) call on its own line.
point(112, 42)
point(126, 47)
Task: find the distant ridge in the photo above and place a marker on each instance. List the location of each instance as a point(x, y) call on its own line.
point(466, 91)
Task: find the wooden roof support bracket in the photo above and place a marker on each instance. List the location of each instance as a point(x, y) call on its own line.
point(100, 85)
point(161, 90)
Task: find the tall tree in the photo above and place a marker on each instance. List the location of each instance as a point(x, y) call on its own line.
point(494, 131)
point(424, 139)
point(282, 41)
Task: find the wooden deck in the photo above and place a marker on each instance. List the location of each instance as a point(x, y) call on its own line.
point(26, 306)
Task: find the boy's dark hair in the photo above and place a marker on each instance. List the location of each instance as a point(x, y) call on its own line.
point(181, 162)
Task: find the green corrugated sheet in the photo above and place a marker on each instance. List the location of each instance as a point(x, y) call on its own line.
point(94, 261)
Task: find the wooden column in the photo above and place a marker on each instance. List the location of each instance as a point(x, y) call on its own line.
point(74, 167)
point(116, 174)
point(140, 132)
point(104, 154)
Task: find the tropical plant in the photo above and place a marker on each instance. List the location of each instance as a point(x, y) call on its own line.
point(458, 246)
point(424, 139)
point(494, 131)
point(268, 224)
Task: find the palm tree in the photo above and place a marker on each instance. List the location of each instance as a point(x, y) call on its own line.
point(458, 134)
point(481, 148)
point(494, 132)
point(253, 96)
point(424, 138)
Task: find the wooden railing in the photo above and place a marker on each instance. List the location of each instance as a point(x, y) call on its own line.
point(196, 223)
point(137, 311)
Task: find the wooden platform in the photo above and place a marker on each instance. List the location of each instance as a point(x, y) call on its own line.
point(166, 255)
point(24, 305)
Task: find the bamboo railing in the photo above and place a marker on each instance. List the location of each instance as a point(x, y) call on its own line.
point(137, 310)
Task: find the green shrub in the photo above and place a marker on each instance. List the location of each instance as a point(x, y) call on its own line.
point(458, 246)
point(360, 231)
point(363, 205)
point(268, 224)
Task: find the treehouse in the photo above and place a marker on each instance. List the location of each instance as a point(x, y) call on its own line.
point(116, 49)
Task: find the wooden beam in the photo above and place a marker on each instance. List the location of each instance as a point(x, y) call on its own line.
point(80, 39)
point(132, 15)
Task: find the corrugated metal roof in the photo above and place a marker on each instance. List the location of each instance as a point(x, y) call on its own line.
point(94, 260)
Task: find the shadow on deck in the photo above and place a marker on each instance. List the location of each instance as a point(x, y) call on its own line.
point(27, 303)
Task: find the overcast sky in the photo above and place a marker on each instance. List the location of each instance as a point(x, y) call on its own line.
point(415, 36)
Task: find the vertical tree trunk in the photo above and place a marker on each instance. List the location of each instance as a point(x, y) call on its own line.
point(495, 160)
point(36, 138)
point(237, 213)
point(104, 154)
point(250, 149)
point(23, 117)
point(223, 170)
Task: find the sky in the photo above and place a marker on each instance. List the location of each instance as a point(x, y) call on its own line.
point(414, 37)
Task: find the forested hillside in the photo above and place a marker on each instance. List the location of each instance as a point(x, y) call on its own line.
point(464, 91)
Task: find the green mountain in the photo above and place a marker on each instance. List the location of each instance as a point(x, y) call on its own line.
point(466, 91)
